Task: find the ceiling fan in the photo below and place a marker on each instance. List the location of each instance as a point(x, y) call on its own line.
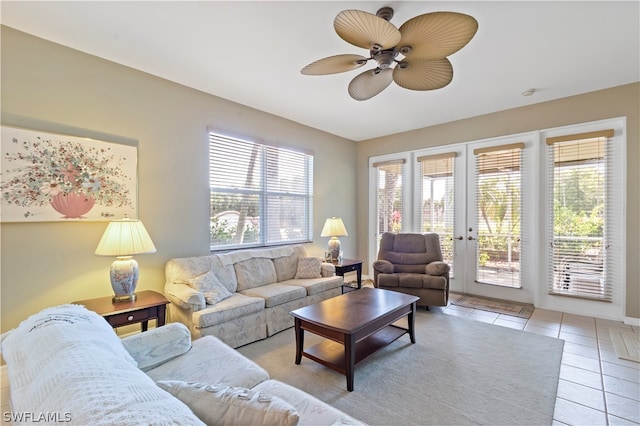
point(424, 42)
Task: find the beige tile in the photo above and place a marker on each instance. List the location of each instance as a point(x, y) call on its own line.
point(617, 421)
point(459, 309)
point(542, 323)
point(588, 351)
point(611, 357)
point(578, 319)
point(476, 316)
point(456, 312)
point(546, 314)
point(540, 330)
point(572, 413)
point(580, 361)
point(509, 324)
point(580, 394)
point(577, 329)
point(581, 376)
point(621, 372)
point(624, 408)
point(623, 388)
point(577, 338)
point(511, 318)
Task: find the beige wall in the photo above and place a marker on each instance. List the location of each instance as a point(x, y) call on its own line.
point(49, 87)
point(622, 101)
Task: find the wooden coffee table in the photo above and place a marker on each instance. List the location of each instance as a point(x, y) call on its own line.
point(355, 324)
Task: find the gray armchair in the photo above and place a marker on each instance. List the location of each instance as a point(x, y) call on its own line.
point(412, 264)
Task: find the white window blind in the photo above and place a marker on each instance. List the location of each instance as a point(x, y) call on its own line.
point(437, 205)
point(498, 214)
point(259, 194)
point(389, 195)
point(579, 189)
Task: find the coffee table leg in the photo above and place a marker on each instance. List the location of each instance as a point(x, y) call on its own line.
point(350, 357)
point(411, 321)
point(299, 340)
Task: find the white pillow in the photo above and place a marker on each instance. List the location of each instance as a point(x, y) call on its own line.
point(210, 286)
point(309, 267)
point(226, 405)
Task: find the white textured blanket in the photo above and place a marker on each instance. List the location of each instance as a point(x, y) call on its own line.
point(67, 365)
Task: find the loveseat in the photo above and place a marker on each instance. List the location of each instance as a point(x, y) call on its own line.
point(66, 365)
point(246, 295)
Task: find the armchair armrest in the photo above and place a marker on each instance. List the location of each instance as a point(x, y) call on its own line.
point(383, 266)
point(184, 297)
point(327, 269)
point(437, 268)
point(158, 345)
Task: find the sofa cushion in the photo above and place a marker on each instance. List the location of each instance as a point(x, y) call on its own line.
point(412, 281)
point(286, 267)
point(210, 360)
point(210, 286)
point(236, 306)
point(316, 285)
point(67, 359)
point(276, 294)
point(219, 404)
point(309, 267)
point(255, 272)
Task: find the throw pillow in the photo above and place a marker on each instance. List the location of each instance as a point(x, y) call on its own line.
point(225, 405)
point(309, 267)
point(210, 286)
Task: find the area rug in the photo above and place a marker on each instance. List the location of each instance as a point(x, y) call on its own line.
point(515, 309)
point(459, 372)
point(626, 344)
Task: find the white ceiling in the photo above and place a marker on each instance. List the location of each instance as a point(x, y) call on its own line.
point(252, 53)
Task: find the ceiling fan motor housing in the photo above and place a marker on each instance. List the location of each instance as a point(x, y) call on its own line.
point(385, 58)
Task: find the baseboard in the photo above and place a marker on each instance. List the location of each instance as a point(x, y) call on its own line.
point(632, 321)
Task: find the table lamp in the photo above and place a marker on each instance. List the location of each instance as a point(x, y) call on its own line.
point(334, 228)
point(124, 238)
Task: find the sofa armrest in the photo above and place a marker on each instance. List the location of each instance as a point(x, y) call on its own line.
point(184, 297)
point(383, 266)
point(158, 345)
point(327, 269)
point(437, 268)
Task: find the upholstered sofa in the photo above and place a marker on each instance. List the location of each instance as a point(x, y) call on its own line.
point(246, 295)
point(66, 365)
point(412, 263)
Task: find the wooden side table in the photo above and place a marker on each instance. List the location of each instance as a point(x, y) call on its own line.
point(148, 305)
point(349, 265)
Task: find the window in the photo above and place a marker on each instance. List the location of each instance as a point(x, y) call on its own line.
point(259, 194)
point(579, 238)
point(498, 214)
point(437, 206)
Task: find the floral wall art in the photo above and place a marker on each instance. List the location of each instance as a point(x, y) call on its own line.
point(51, 177)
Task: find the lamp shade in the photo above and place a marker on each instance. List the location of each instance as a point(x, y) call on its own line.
point(333, 227)
point(125, 238)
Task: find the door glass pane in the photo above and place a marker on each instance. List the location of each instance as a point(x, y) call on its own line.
point(437, 204)
point(579, 196)
point(389, 181)
point(498, 201)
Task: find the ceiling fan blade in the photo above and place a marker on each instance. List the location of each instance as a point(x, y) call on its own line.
point(365, 30)
point(423, 74)
point(368, 84)
point(334, 64)
point(436, 35)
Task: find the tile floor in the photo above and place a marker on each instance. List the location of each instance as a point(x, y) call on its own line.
point(595, 386)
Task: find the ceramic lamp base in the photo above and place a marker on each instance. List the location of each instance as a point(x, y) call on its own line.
point(124, 279)
point(334, 248)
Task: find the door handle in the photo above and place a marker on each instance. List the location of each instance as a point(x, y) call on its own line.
point(460, 238)
point(470, 238)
